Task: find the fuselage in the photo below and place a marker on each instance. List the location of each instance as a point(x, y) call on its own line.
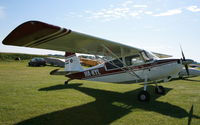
point(151, 71)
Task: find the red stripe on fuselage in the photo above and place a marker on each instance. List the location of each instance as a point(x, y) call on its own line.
point(68, 54)
point(102, 71)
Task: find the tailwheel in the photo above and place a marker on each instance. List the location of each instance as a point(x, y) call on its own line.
point(144, 96)
point(67, 82)
point(160, 90)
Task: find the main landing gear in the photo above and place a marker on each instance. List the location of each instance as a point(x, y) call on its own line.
point(144, 96)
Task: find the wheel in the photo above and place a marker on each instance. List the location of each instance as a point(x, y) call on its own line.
point(66, 82)
point(144, 96)
point(160, 90)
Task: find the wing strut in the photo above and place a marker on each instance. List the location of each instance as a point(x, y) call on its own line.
point(132, 72)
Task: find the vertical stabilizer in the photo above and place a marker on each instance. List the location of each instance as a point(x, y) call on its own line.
point(72, 62)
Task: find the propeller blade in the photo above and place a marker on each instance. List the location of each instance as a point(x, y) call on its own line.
point(182, 54)
point(185, 62)
point(187, 70)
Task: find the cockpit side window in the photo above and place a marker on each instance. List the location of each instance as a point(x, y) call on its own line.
point(134, 60)
point(114, 64)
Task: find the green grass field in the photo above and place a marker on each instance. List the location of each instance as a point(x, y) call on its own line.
point(30, 96)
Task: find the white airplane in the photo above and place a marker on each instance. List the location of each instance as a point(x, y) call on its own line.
point(130, 64)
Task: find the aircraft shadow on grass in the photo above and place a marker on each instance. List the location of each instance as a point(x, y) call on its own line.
point(192, 80)
point(108, 107)
point(186, 79)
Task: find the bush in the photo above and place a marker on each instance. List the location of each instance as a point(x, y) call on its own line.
point(14, 56)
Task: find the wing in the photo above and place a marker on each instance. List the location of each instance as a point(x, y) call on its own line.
point(160, 55)
point(37, 34)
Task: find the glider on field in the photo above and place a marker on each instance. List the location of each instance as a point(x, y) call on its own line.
point(128, 64)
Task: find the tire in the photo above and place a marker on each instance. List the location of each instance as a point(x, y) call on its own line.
point(66, 82)
point(160, 90)
point(144, 96)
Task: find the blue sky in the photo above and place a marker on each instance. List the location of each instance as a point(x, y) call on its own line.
point(155, 25)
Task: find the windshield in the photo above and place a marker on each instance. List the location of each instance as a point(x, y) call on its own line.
point(148, 56)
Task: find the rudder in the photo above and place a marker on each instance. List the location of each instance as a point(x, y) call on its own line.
point(72, 63)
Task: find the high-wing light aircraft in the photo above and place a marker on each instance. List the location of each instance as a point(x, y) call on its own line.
point(128, 64)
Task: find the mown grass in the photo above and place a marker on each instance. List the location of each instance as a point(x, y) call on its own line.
point(30, 96)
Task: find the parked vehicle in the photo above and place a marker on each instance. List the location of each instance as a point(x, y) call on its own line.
point(55, 61)
point(37, 62)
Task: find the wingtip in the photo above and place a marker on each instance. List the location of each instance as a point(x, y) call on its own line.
point(17, 36)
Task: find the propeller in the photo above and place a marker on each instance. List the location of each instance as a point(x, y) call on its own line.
point(185, 62)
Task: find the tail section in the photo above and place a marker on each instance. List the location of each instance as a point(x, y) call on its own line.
point(72, 63)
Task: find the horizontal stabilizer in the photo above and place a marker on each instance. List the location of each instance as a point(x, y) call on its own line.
point(57, 72)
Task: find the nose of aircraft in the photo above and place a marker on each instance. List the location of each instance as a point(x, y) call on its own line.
point(187, 61)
